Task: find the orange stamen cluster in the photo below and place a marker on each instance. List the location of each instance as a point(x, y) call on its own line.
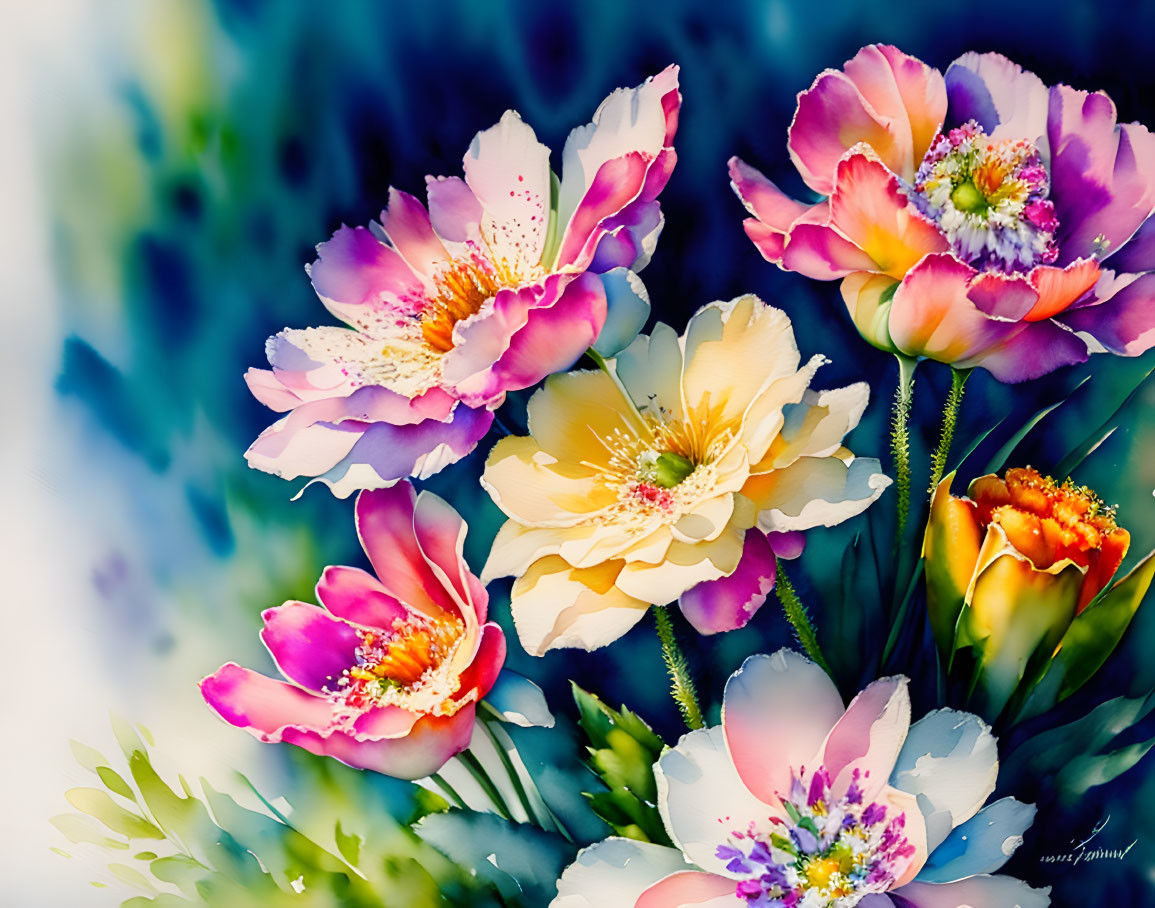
point(1049, 522)
point(462, 288)
point(401, 661)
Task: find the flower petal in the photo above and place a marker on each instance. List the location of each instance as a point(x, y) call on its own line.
point(869, 737)
point(703, 800)
point(384, 520)
point(871, 210)
point(357, 596)
point(311, 647)
point(627, 308)
point(950, 762)
point(776, 712)
point(978, 890)
point(686, 888)
point(406, 223)
point(262, 706)
point(1007, 101)
point(427, 747)
point(507, 169)
point(983, 844)
point(481, 673)
point(1038, 349)
point(641, 119)
point(1102, 174)
point(820, 252)
point(1124, 323)
point(614, 873)
point(556, 606)
point(440, 533)
point(815, 491)
point(454, 210)
point(730, 602)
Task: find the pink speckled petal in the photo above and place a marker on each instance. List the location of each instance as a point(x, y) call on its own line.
point(406, 223)
point(310, 646)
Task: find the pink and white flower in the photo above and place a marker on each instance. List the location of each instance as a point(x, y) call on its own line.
point(387, 672)
point(978, 218)
point(796, 801)
point(509, 275)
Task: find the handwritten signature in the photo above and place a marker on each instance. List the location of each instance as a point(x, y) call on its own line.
point(1081, 852)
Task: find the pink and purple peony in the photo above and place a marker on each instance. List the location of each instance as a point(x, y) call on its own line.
point(977, 217)
point(387, 672)
point(509, 275)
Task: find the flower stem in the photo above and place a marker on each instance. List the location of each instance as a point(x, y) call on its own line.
point(475, 769)
point(900, 441)
point(681, 684)
point(799, 620)
point(958, 380)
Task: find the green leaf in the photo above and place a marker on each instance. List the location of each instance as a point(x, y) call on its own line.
point(521, 861)
point(1097, 630)
point(997, 462)
point(1081, 451)
point(114, 783)
point(622, 753)
point(98, 804)
point(1088, 770)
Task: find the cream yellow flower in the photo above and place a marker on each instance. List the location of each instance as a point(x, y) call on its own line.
point(659, 478)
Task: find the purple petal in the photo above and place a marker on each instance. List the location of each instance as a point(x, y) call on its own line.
point(1102, 175)
point(1006, 100)
point(730, 602)
point(1125, 323)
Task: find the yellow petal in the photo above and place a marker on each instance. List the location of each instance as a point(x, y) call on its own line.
point(951, 551)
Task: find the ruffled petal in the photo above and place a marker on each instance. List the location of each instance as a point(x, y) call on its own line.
point(424, 750)
point(1102, 174)
point(1124, 323)
point(776, 712)
point(815, 491)
point(871, 210)
point(820, 252)
point(556, 606)
point(1007, 101)
point(454, 210)
point(440, 533)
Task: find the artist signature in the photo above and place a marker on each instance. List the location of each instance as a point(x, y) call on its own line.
point(1082, 851)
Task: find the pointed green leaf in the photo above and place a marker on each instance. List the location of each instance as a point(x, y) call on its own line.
point(96, 803)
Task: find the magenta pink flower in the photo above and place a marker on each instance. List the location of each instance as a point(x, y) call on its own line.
point(386, 673)
point(496, 285)
point(978, 218)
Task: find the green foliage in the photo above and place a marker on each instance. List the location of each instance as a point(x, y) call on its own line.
point(520, 861)
point(1080, 755)
point(176, 847)
point(622, 752)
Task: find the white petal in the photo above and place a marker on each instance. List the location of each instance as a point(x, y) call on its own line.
point(613, 873)
point(702, 800)
point(950, 761)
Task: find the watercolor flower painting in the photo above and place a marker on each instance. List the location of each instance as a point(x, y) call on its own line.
point(699, 455)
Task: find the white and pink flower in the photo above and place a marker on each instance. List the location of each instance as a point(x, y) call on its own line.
point(387, 672)
point(796, 801)
point(509, 275)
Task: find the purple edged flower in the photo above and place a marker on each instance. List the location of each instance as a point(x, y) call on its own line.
point(509, 275)
point(978, 218)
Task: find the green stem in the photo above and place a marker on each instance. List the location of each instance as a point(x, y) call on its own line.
point(799, 620)
point(514, 778)
point(681, 684)
point(473, 765)
point(900, 441)
point(448, 791)
point(958, 380)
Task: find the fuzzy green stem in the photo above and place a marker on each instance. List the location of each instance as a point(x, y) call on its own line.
point(799, 620)
point(958, 380)
point(681, 684)
point(900, 441)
